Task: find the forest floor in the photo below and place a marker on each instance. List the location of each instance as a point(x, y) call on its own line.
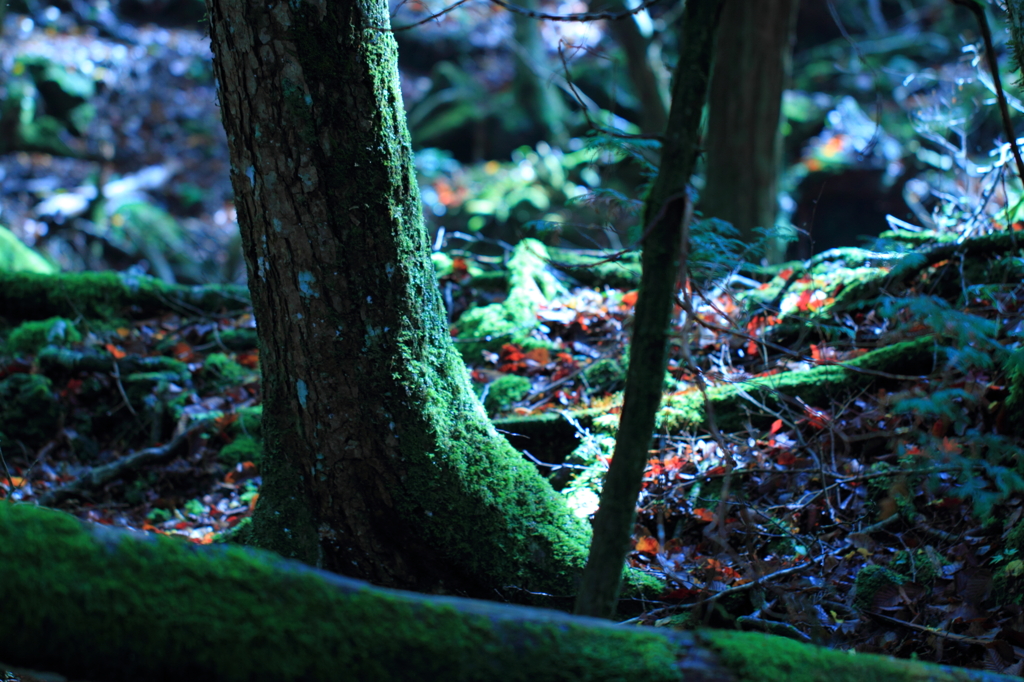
point(885, 518)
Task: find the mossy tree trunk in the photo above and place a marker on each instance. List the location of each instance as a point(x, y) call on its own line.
point(744, 146)
point(379, 461)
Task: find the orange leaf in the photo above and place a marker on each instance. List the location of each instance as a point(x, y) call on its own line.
point(629, 298)
point(115, 351)
point(705, 515)
point(539, 355)
point(804, 300)
point(648, 545)
point(183, 352)
point(776, 427)
point(250, 359)
point(12, 482)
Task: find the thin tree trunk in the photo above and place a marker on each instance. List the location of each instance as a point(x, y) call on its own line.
point(664, 216)
point(539, 98)
point(744, 144)
point(647, 90)
point(379, 461)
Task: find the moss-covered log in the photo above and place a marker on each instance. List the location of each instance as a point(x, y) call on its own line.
point(103, 604)
point(106, 295)
point(816, 387)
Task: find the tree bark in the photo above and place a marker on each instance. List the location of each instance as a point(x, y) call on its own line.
point(664, 224)
point(97, 603)
point(646, 88)
point(744, 145)
point(379, 461)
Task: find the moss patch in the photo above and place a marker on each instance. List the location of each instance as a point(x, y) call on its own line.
point(94, 602)
point(30, 337)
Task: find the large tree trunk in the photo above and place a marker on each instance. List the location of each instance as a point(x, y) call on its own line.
point(379, 461)
point(97, 603)
point(744, 145)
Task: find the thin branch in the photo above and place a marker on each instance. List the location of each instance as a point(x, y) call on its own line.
point(993, 66)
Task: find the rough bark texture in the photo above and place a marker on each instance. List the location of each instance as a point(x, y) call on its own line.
point(96, 603)
point(664, 217)
point(744, 146)
point(379, 461)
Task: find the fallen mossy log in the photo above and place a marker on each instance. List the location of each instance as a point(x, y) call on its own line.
point(104, 604)
point(910, 265)
point(816, 387)
point(106, 295)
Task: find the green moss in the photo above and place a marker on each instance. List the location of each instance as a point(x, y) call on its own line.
point(107, 295)
point(92, 602)
point(1015, 540)
point(242, 449)
point(227, 372)
point(871, 579)
point(1014, 415)
point(504, 391)
point(817, 386)
point(512, 320)
point(1008, 583)
point(16, 257)
point(29, 411)
point(754, 657)
point(922, 567)
point(30, 337)
point(605, 376)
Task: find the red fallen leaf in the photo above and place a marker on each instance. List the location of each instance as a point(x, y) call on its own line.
point(951, 446)
point(224, 421)
point(542, 356)
point(183, 352)
point(249, 358)
point(816, 418)
point(241, 472)
point(939, 428)
point(115, 351)
point(803, 303)
point(702, 514)
point(74, 387)
point(786, 458)
point(681, 593)
point(150, 528)
point(648, 545)
point(181, 525)
point(776, 427)
point(674, 463)
point(629, 298)
point(715, 471)
point(784, 274)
